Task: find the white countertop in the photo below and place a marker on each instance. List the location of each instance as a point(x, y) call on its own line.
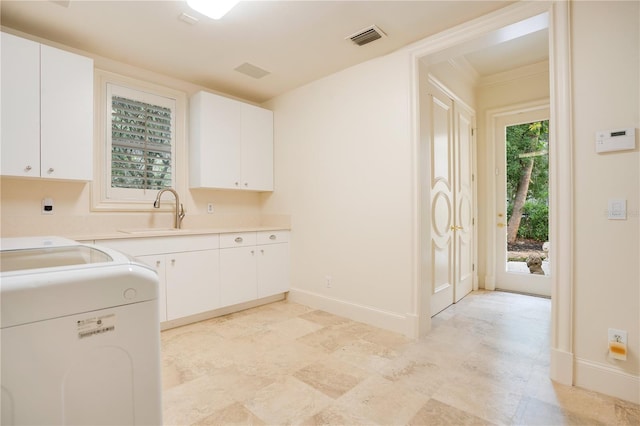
point(170, 232)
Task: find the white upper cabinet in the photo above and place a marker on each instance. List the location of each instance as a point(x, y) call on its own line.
point(20, 106)
point(231, 144)
point(47, 111)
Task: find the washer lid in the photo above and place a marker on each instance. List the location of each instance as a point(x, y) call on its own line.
point(19, 254)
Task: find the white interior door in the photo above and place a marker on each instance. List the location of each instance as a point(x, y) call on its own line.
point(514, 275)
point(450, 134)
point(464, 218)
point(440, 125)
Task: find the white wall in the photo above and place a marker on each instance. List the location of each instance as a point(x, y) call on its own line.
point(343, 166)
point(606, 87)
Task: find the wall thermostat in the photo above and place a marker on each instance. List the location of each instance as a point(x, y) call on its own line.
point(615, 140)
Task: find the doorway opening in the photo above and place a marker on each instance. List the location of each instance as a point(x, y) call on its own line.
point(527, 160)
point(522, 202)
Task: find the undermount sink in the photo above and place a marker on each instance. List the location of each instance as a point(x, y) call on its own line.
point(151, 230)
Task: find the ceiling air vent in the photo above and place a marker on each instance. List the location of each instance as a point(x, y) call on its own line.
point(367, 35)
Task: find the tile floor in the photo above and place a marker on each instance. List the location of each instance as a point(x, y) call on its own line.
point(485, 362)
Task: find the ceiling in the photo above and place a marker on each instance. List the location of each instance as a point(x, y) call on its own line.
point(295, 41)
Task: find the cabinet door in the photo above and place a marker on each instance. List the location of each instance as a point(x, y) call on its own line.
point(238, 275)
point(214, 142)
point(193, 283)
point(257, 148)
point(66, 109)
point(20, 140)
point(273, 269)
point(159, 264)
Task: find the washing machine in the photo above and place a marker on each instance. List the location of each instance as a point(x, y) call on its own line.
point(79, 335)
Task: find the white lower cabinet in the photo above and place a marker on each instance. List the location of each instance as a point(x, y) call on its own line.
point(253, 265)
point(272, 255)
point(191, 282)
point(201, 273)
point(157, 262)
point(188, 271)
point(237, 275)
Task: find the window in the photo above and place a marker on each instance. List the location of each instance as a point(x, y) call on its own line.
point(140, 142)
point(140, 138)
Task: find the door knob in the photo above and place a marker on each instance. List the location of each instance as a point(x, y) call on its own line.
point(455, 228)
point(501, 225)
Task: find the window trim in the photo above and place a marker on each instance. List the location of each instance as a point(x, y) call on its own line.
point(100, 193)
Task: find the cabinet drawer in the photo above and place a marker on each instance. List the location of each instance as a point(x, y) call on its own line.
point(237, 239)
point(272, 237)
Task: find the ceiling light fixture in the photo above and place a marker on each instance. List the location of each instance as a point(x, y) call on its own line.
point(214, 9)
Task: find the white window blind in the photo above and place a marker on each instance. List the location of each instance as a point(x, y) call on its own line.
point(141, 136)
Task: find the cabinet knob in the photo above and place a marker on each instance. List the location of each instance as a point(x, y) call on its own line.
point(237, 183)
point(262, 251)
point(28, 168)
point(50, 170)
point(272, 237)
point(238, 240)
point(157, 263)
point(173, 262)
point(253, 252)
point(246, 184)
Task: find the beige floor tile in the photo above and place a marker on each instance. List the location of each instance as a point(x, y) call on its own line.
point(474, 394)
point(287, 402)
point(435, 413)
point(324, 318)
point(234, 414)
point(383, 401)
point(534, 412)
point(293, 328)
point(329, 338)
point(366, 355)
point(331, 377)
point(338, 415)
point(194, 400)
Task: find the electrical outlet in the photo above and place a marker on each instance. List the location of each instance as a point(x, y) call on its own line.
point(617, 344)
point(210, 208)
point(47, 206)
point(328, 279)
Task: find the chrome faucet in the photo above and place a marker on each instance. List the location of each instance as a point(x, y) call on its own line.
point(179, 210)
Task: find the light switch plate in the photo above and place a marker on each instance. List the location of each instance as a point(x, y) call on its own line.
point(617, 209)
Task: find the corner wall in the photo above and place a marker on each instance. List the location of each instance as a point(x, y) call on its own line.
point(343, 163)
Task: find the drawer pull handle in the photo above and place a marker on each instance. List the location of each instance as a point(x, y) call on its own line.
point(28, 168)
point(238, 239)
point(272, 237)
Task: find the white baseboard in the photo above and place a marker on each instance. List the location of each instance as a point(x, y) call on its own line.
point(561, 369)
point(608, 380)
point(404, 324)
point(489, 282)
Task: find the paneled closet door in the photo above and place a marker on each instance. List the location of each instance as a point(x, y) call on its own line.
point(441, 180)
point(452, 206)
point(464, 213)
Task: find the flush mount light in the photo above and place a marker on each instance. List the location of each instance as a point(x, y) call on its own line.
point(214, 9)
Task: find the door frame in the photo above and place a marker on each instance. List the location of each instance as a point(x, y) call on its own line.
point(560, 167)
point(492, 138)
